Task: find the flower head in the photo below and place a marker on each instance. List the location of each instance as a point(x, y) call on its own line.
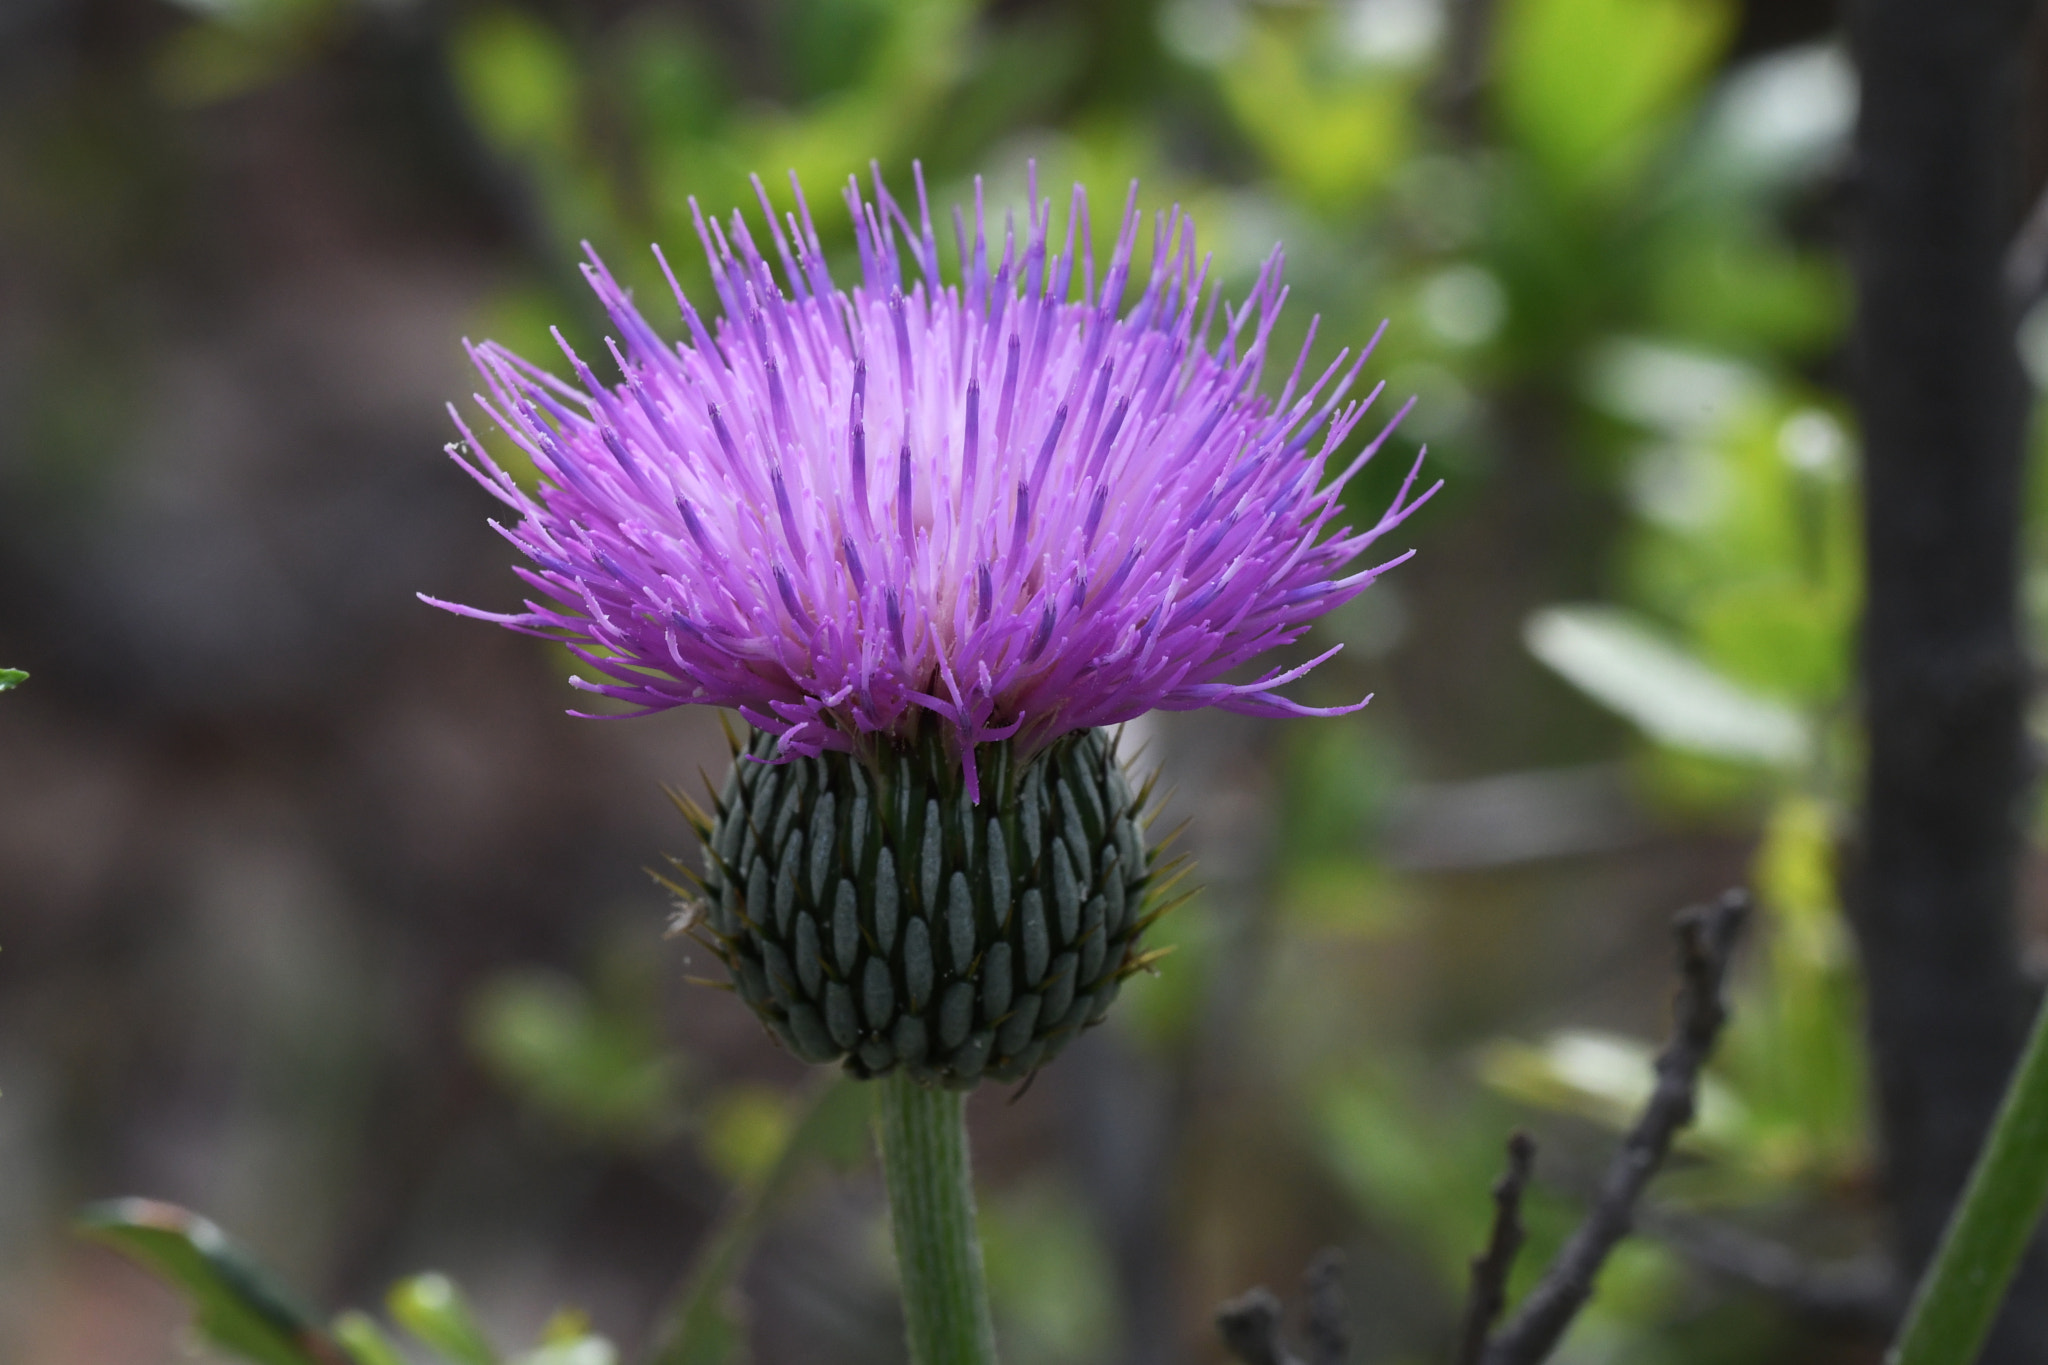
point(1004, 505)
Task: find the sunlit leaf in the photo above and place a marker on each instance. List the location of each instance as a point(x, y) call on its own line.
point(1781, 117)
point(241, 1308)
point(11, 678)
point(1619, 661)
point(1675, 390)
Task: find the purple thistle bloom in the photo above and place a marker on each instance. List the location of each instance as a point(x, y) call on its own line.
point(996, 501)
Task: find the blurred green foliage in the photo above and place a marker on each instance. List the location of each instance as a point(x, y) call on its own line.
point(591, 1060)
point(247, 1314)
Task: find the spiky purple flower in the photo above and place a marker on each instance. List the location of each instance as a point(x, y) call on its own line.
point(996, 503)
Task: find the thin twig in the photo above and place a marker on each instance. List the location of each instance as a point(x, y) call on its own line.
point(1706, 941)
point(1491, 1268)
point(1250, 1323)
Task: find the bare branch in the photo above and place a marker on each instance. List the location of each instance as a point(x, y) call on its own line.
point(1250, 1323)
point(1706, 940)
point(1491, 1268)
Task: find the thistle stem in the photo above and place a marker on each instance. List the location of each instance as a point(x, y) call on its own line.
point(1958, 1298)
point(923, 1137)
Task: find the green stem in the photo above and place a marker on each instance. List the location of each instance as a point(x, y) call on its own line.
point(923, 1137)
point(1958, 1298)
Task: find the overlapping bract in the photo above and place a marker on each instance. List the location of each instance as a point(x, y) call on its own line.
point(998, 501)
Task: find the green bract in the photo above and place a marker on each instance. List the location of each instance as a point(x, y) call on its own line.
point(870, 913)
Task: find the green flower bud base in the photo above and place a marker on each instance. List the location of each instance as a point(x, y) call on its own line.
point(872, 915)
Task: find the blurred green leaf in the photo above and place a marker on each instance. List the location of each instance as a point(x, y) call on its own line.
point(1726, 282)
point(1050, 1284)
point(241, 1308)
point(595, 1066)
point(1581, 84)
point(1617, 659)
point(829, 45)
point(11, 678)
point(746, 1130)
point(431, 1308)
point(1334, 133)
point(1411, 1162)
point(1795, 1039)
point(701, 1326)
point(673, 80)
point(519, 78)
point(1751, 545)
point(365, 1341)
point(1779, 633)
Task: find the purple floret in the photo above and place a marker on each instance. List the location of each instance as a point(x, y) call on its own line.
point(995, 501)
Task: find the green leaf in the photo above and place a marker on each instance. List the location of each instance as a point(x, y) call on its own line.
point(1958, 1298)
point(590, 1065)
point(241, 1308)
point(518, 79)
point(1616, 659)
point(1582, 83)
point(11, 678)
point(1410, 1162)
point(1334, 135)
point(1795, 1041)
point(1048, 1277)
point(431, 1308)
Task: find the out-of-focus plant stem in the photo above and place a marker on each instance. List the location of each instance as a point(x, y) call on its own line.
point(923, 1137)
point(1956, 1303)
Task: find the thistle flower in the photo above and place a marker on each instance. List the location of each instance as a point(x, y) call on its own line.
point(997, 505)
point(911, 530)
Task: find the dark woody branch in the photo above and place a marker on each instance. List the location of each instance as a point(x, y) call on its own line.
point(1706, 939)
point(1251, 1325)
point(1491, 1268)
